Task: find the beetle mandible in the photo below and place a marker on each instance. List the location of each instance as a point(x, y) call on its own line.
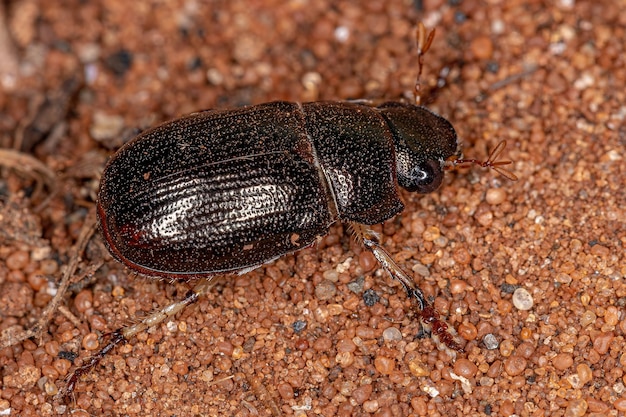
point(225, 191)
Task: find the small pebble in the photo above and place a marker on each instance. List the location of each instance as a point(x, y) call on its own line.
point(90, 342)
point(325, 290)
point(298, 326)
point(495, 196)
point(367, 261)
point(504, 307)
point(458, 286)
point(52, 348)
point(224, 347)
point(49, 266)
point(418, 369)
point(180, 368)
point(421, 270)
point(371, 406)
point(600, 251)
point(611, 316)
point(119, 62)
point(345, 345)
point(620, 404)
point(83, 300)
point(482, 47)
point(526, 350)
point(484, 216)
point(392, 334)
point(506, 348)
point(522, 300)
point(525, 333)
point(331, 275)
point(465, 368)
point(597, 406)
point(37, 281)
point(576, 408)
point(62, 366)
point(461, 256)
point(344, 359)
point(105, 126)
point(602, 342)
point(563, 278)
point(507, 288)
point(362, 393)
point(51, 389)
point(365, 332)
point(384, 365)
point(286, 391)
point(357, 285)
point(17, 260)
point(495, 369)
point(490, 341)
point(322, 344)
point(584, 373)
point(431, 233)
point(587, 318)
point(562, 361)
point(467, 331)
point(514, 365)
point(370, 297)
point(574, 381)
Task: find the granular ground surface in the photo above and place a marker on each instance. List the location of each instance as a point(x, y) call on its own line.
point(530, 273)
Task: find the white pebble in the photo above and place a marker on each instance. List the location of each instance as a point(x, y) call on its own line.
point(490, 341)
point(522, 300)
point(392, 334)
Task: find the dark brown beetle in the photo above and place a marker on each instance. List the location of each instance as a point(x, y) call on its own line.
point(228, 190)
point(225, 191)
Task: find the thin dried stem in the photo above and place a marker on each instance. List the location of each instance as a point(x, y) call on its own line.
point(13, 337)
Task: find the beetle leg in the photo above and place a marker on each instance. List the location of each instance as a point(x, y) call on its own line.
point(371, 240)
point(429, 317)
point(124, 334)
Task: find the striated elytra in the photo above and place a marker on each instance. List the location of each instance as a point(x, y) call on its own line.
point(228, 190)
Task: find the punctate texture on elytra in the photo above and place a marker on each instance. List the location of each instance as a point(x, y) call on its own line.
point(228, 190)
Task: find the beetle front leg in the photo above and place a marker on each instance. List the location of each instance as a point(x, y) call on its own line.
point(429, 317)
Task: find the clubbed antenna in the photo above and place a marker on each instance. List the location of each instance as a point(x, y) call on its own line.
point(491, 162)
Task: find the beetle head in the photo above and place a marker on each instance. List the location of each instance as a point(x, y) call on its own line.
point(423, 141)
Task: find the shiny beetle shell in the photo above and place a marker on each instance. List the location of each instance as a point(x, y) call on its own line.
point(228, 190)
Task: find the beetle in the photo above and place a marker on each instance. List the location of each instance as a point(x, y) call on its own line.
point(225, 191)
point(228, 190)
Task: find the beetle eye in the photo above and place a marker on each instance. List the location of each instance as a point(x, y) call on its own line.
point(424, 177)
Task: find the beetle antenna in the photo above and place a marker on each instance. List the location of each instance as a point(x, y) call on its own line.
point(492, 162)
point(424, 40)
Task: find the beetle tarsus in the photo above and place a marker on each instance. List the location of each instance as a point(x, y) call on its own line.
point(117, 338)
point(429, 316)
